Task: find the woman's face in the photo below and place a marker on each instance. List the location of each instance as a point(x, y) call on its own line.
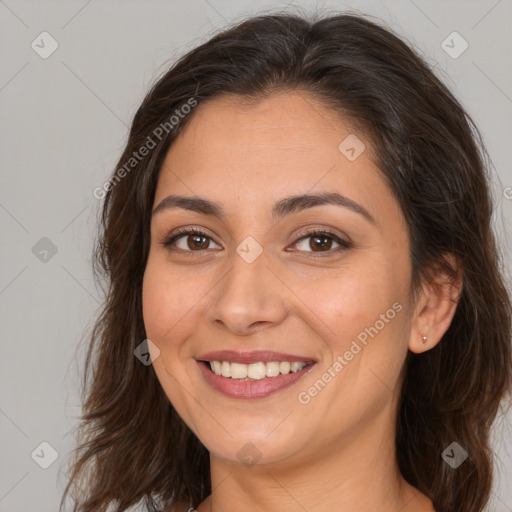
point(259, 285)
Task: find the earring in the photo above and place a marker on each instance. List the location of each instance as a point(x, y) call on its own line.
point(424, 339)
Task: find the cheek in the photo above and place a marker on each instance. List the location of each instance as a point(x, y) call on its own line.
point(169, 300)
point(167, 304)
point(353, 299)
point(158, 305)
point(365, 309)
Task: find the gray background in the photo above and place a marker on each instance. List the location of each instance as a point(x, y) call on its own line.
point(64, 122)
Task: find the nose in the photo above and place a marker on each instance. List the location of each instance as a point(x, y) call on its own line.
point(249, 298)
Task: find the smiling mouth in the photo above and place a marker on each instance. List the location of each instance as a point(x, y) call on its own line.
point(252, 375)
point(255, 371)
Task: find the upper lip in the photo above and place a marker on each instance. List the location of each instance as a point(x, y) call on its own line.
point(255, 356)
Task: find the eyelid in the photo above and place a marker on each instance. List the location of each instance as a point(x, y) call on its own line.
point(343, 241)
point(305, 232)
point(183, 232)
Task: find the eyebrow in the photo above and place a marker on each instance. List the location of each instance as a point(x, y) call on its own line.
point(281, 208)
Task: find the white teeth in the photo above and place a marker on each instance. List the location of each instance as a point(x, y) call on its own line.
point(272, 369)
point(255, 371)
point(295, 367)
point(284, 368)
point(225, 369)
point(216, 367)
point(238, 371)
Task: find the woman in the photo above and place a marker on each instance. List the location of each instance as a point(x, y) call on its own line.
point(297, 236)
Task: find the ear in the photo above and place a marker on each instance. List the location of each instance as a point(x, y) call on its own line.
point(435, 307)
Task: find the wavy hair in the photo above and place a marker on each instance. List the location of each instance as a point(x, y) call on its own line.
point(133, 446)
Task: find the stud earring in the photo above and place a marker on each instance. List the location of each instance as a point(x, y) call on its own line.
point(424, 339)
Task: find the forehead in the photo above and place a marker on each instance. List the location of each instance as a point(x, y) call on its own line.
point(284, 143)
point(294, 123)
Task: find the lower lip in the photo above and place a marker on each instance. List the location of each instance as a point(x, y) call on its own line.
point(234, 388)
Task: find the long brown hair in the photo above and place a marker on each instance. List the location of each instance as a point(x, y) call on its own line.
point(133, 446)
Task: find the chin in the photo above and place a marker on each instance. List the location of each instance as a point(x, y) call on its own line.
point(250, 446)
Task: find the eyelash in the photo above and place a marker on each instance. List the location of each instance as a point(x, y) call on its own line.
point(324, 233)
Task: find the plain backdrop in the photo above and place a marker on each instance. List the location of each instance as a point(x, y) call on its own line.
point(64, 121)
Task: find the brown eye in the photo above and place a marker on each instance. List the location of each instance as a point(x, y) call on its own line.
point(321, 242)
point(196, 241)
point(188, 241)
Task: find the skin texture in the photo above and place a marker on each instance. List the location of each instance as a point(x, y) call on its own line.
point(337, 451)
